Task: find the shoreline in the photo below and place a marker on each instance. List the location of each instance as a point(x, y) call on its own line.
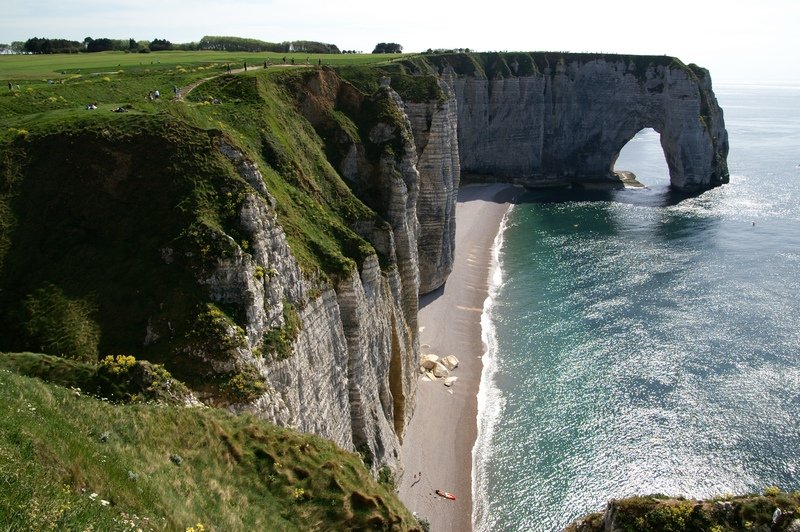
point(439, 440)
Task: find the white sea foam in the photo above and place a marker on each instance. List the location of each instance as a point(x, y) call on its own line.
point(490, 398)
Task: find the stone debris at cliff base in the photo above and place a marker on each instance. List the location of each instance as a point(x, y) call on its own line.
point(449, 381)
point(435, 368)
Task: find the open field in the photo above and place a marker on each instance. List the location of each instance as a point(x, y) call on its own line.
point(29, 68)
point(55, 88)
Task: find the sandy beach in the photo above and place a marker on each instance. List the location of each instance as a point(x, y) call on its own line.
point(438, 442)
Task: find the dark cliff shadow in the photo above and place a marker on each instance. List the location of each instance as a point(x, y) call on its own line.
point(643, 197)
point(476, 191)
point(430, 297)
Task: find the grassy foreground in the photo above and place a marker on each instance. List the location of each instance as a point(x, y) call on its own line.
point(72, 462)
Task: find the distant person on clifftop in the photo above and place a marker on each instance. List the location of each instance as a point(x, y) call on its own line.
point(245, 66)
point(10, 86)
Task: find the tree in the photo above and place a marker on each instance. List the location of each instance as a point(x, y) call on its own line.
point(37, 45)
point(61, 326)
point(160, 44)
point(100, 45)
point(387, 48)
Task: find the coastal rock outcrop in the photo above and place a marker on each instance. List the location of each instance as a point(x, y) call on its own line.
point(547, 118)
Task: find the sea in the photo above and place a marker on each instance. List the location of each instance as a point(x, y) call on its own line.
point(642, 342)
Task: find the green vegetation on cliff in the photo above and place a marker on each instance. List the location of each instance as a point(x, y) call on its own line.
point(73, 462)
point(659, 513)
point(108, 220)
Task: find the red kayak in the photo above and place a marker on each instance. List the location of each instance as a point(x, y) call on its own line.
point(446, 495)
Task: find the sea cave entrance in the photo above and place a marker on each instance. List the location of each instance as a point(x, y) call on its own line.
point(644, 156)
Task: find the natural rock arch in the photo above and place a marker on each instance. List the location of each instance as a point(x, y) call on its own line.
point(568, 116)
point(643, 157)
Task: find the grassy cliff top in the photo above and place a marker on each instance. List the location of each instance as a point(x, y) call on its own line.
point(72, 462)
point(491, 65)
point(657, 513)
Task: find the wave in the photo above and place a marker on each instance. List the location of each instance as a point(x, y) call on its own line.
point(490, 398)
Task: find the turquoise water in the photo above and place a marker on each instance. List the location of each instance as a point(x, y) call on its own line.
point(640, 343)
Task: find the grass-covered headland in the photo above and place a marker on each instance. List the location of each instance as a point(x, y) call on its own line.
point(108, 223)
point(71, 461)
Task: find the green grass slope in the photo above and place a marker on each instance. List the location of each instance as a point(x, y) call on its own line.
point(73, 462)
point(108, 220)
point(658, 513)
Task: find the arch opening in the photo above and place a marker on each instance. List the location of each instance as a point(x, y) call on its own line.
point(644, 156)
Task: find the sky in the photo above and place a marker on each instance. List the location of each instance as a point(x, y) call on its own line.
point(738, 41)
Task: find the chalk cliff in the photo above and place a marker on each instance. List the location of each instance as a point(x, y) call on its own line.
point(548, 118)
point(434, 123)
point(349, 373)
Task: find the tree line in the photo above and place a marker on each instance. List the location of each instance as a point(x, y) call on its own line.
point(41, 45)
point(240, 44)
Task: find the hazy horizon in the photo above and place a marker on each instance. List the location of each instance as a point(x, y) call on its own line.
point(734, 42)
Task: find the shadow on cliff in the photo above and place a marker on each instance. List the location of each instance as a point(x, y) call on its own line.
point(430, 297)
point(663, 196)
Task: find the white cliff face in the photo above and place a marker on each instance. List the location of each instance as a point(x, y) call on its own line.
point(350, 374)
point(308, 391)
point(434, 124)
point(570, 121)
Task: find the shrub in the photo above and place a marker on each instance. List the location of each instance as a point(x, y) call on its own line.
point(386, 477)
point(61, 326)
point(216, 331)
point(280, 339)
point(245, 385)
point(118, 364)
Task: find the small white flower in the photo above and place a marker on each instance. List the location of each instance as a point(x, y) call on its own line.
point(93, 496)
point(104, 502)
